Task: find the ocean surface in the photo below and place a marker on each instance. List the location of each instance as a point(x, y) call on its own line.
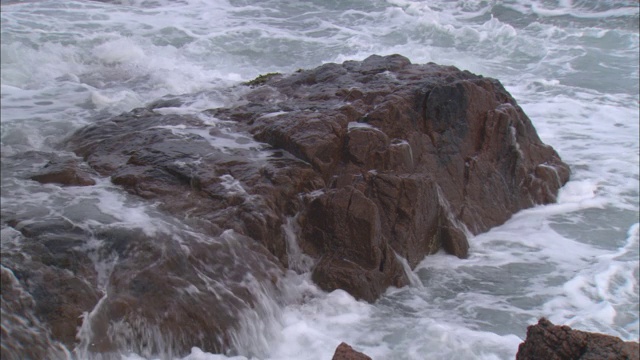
point(571, 65)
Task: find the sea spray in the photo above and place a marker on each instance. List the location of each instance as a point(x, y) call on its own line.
point(297, 260)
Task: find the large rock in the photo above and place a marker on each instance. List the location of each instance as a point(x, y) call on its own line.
point(165, 291)
point(376, 160)
point(433, 154)
point(551, 342)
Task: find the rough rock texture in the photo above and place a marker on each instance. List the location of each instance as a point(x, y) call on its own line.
point(346, 352)
point(19, 324)
point(159, 296)
point(64, 172)
point(371, 161)
point(412, 158)
point(551, 342)
point(58, 277)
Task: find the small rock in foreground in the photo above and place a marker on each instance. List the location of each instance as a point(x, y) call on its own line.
point(346, 352)
point(552, 342)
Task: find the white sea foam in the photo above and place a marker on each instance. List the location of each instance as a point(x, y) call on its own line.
point(360, 125)
point(297, 260)
point(579, 13)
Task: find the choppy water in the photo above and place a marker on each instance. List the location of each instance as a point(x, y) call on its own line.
point(572, 66)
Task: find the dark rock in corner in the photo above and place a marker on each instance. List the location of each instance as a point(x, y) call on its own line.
point(346, 352)
point(552, 342)
point(19, 324)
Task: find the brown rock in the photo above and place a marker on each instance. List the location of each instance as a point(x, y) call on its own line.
point(59, 279)
point(548, 341)
point(65, 172)
point(343, 226)
point(410, 159)
point(375, 158)
point(346, 352)
point(24, 336)
point(171, 301)
point(440, 152)
point(200, 286)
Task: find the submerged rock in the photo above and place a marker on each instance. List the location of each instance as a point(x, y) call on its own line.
point(371, 160)
point(548, 341)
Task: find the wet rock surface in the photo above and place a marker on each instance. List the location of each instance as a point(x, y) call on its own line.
point(19, 324)
point(374, 160)
point(57, 278)
point(436, 151)
point(69, 172)
point(548, 341)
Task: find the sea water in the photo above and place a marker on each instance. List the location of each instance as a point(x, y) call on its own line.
point(572, 66)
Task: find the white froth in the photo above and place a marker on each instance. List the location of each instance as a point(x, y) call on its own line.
point(577, 191)
point(273, 114)
point(121, 50)
point(233, 186)
point(297, 260)
point(576, 12)
point(360, 125)
point(133, 216)
point(414, 280)
point(314, 329)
